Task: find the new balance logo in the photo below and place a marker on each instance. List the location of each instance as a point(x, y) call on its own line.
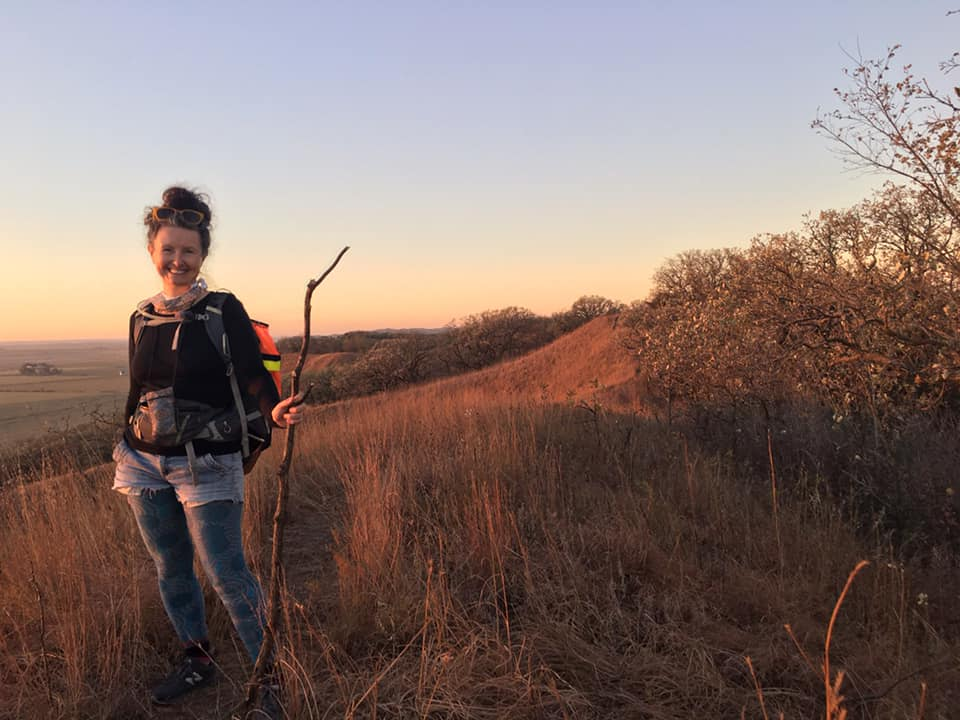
point(193, 678)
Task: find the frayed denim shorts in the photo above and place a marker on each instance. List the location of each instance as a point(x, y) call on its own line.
point(219, 477)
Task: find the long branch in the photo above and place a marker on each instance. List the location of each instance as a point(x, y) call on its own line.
point(267, 648)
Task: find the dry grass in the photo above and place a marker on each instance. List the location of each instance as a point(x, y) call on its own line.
point(517, 543)
point(316, 363)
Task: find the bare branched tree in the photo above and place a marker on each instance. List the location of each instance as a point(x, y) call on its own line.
point(895, 122)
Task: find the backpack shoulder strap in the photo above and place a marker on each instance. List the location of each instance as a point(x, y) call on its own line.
point(217, 331)
point(139, 322)
point(145, 315)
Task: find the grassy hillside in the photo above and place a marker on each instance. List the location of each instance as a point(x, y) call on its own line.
point(520, 542)
point(316, 363)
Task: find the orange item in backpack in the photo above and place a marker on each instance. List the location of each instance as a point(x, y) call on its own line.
point(269, 353)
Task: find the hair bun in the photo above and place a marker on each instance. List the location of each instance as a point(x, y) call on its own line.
point(182, 198)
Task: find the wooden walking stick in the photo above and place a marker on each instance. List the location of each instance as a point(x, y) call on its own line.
point(264, 659)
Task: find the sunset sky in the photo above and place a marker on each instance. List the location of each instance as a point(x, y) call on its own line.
point(474, 155)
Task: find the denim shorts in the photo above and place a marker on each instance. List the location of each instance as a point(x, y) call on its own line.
point(219, 477)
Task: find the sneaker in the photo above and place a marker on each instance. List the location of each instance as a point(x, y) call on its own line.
point(190, 674)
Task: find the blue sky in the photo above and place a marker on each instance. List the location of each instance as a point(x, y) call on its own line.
point(473, 155)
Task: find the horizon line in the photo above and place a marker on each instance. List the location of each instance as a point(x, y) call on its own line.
point(24, 341)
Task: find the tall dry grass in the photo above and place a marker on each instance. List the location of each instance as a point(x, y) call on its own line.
point(459, 551)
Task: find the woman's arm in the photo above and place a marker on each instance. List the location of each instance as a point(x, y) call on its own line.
point(253, 377)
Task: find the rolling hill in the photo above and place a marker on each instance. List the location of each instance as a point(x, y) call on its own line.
point(516, 542)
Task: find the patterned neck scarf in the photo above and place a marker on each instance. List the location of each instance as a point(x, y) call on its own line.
point(171, 306)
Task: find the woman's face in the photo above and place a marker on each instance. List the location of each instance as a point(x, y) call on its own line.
point(176, 254)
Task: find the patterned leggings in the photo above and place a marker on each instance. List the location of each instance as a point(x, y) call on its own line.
point(171, 532)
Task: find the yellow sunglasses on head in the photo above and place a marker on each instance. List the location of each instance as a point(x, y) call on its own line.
point(188, 218)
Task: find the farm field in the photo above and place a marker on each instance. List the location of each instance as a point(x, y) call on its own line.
point(90, 382)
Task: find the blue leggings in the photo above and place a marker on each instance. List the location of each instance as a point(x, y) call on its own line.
point(171, 532)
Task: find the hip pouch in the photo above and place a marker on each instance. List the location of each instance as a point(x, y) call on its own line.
point(164, 420)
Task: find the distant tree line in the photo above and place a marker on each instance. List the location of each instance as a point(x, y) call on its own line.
point(386, 360)
point(357, 341)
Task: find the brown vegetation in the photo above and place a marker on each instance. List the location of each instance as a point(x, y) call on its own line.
point(386, 360)
point(318, 363)
point(510, 543)
point(842, 339)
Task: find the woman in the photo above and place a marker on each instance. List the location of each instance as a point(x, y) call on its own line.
point(187, 494)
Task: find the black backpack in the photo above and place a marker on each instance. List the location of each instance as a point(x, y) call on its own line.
point(163, 419)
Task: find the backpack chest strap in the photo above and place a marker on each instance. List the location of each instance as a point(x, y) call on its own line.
point(146, 318)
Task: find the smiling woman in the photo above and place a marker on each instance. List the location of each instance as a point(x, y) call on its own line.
point(194, 357)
